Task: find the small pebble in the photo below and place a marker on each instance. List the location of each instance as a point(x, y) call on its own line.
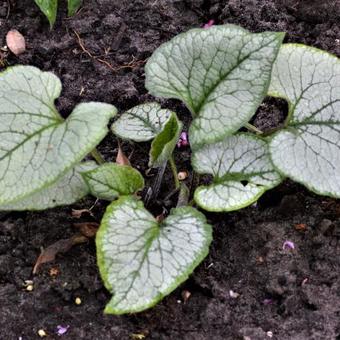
point(182, 175)
point(42, 333)
point(30, 288)
point(78, 301)
point(29, 285)
point(233, 294)
point(304, 281)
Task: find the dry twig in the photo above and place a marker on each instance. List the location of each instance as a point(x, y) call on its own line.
point(132, 64)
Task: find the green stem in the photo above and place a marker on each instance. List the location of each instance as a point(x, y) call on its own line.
point(191, 203)
point(183, 196)
point(253, 128)
point(97, 156)
point(174, 172)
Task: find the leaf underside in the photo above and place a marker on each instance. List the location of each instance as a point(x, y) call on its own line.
point(69, 189)
point(308, 150)
point(37, 146)
point(141, 123)
point(111, 180)
point(221, 73)
point(242, 172)
point(140, 260)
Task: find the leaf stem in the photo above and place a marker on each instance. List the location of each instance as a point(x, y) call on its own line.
point(174, 172)
point(253, 128)
point(154, 190)
point(183, 196)
point(191, 203)
point(97, 156)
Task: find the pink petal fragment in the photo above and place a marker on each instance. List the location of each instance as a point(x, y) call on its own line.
point(288, 245)
point(209, 24)
point(183, 140)
point(61, 330)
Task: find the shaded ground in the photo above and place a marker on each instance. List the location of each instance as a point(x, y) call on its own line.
point(294, 294)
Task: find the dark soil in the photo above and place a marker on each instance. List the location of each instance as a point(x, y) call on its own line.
point(284, 294)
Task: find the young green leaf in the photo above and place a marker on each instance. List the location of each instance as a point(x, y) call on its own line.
point(111, 180)
point(164, 144)
point(221, 73)
point(308, 150)
point(141, 260)
point(49, 8)
point(69, 189)
point(36, 145)
point(242, 172)
point(142, 122)
point(73, 6)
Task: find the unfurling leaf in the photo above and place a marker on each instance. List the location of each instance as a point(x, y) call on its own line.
point(141, 260)
point(308, 149)
point(221, 73)
point(242, 172)
point(111, 180)
point(165, 142)
point(37, 146)
point(141, 123)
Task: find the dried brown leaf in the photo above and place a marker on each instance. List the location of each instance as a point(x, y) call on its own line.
point(121, 158)
point(185, 295)
point(87, 229)
point(78, 213)
point(61, 246)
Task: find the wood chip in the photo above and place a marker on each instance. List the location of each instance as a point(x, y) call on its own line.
point(300, 226)
point(15, 42)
